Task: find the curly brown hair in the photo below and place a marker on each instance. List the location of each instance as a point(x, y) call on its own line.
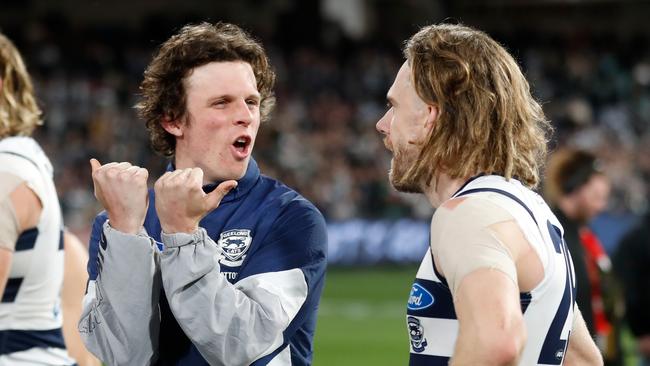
point(488, 121)
point(163, 91)
point(19, 112)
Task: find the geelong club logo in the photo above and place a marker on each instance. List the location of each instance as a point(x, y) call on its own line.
point(416, 333)
point(234, 245)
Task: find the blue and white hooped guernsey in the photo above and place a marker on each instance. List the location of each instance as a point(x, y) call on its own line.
point(30, 313)
point(548, 309)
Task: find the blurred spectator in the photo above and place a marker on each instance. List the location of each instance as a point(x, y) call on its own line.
point(632, 264)
point(577, 190)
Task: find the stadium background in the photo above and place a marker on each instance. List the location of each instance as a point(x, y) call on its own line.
point(588, 61)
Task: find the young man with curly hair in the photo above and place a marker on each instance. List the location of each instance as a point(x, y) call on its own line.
point(217, 264)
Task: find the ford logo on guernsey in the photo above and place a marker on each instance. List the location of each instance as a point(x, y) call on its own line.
point(419, 298)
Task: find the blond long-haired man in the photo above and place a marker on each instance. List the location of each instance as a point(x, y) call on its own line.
point(37, 323)
point(496, 287)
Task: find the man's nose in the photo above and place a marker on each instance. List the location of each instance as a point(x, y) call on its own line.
point(382, 125)
point(244, 114)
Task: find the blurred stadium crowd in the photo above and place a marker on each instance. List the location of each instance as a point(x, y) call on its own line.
point(321, 139)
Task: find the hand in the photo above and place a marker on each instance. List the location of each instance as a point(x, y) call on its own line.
point(122, 189)
point(181, 202)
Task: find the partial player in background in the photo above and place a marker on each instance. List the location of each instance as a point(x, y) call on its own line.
point(497, 286)
point(577, 191)
point(217, 264)
point(632, 264)
point(33, 245)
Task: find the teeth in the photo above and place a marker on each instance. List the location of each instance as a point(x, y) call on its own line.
point(241, 140)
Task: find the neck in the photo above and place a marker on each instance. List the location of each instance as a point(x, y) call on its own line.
point(185, 163)
point(442, 188)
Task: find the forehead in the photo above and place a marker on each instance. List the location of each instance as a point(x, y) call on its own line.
point(403, 77)
point(598, 182)
point(402, 83)
point(231, 77)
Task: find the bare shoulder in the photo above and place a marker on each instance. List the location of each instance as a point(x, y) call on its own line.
point(8, 183)
point(27, 206)
point(469, 212)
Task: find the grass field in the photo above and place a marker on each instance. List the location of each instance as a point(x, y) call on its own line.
point(362, 317)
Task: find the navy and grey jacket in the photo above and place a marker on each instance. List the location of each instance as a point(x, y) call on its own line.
point(242, 290)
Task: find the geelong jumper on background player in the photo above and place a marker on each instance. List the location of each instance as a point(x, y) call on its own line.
point(30, 310)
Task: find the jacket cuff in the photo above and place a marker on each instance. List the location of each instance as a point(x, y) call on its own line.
point(175, 240)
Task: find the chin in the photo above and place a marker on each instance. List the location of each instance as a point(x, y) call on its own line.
point(240, 170)
point(396, 178)
point(406, 187)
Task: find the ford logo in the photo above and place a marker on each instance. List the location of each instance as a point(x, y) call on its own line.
point(419, 298)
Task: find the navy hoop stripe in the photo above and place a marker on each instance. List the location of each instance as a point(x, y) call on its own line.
point(500, 191)
point(11, 289)
point(21, 340)
point(428, 360)
point(27, 239)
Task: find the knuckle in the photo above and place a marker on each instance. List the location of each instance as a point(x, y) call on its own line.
point(111, 173)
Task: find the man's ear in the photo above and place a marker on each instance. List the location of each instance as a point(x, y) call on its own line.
point(432, 116)
point(174, 127)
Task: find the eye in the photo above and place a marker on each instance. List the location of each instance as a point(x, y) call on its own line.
point(252, 102)
point(219, 103)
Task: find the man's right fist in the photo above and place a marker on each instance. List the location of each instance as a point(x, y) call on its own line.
point(122, 189)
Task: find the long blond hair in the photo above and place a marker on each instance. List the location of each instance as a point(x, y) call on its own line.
point(19, 113)
point(488, 121)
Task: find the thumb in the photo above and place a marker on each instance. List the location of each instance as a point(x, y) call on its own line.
point(214, 198)
point(95, 164)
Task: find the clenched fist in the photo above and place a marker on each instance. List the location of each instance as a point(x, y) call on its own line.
point(181, 202)
point(122, 189)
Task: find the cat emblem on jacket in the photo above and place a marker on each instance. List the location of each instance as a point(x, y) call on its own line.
point(234, 245)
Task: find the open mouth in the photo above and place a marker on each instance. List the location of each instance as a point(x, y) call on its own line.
point(242, 145)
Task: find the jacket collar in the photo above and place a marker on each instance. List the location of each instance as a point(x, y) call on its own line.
point(245, 183)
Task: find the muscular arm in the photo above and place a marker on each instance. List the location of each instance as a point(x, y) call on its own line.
point(20, 210)
point(477, 245)
point(74, 285)
point(492, 330)
point(582, 350)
